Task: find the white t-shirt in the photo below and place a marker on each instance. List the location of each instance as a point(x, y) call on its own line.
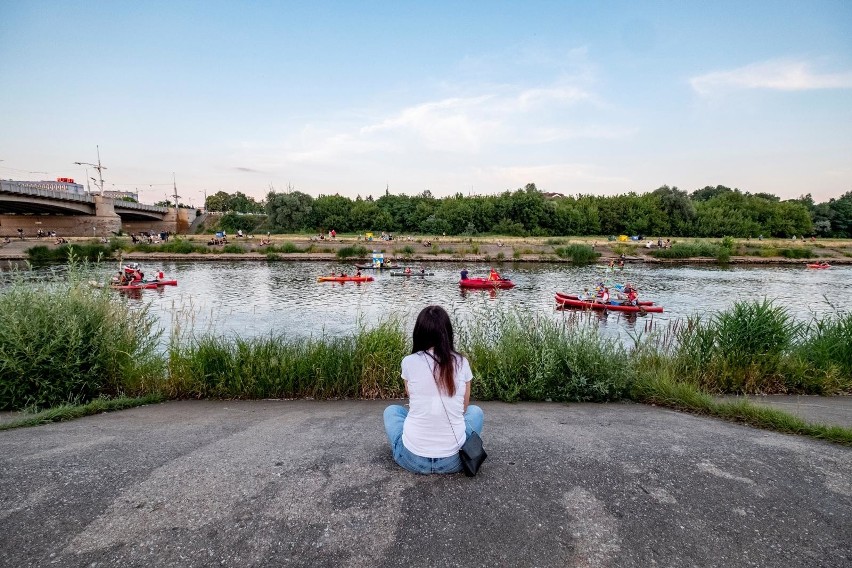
point(426, 431)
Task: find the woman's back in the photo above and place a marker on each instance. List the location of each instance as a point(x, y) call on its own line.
point(434, 426)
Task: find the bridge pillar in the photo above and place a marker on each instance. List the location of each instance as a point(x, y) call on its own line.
point(105, 221)
point(178, 220)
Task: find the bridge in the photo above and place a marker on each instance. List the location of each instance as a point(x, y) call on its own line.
point(81, 214)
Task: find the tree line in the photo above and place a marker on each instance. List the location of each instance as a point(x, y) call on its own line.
point(667, 211)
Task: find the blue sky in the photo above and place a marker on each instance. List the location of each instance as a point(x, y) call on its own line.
point(351, 97)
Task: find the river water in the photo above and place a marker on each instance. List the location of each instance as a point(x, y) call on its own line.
point(258, 298)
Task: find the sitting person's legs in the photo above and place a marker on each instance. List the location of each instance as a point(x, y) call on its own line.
point(394, 418)
point(473, 419)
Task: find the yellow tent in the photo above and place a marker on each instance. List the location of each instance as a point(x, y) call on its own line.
point(623, 238)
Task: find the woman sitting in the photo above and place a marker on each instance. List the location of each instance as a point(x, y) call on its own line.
point(427, 438)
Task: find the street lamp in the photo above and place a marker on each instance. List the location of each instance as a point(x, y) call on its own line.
point(98, 167)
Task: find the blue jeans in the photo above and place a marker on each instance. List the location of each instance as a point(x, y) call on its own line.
point(394, 419)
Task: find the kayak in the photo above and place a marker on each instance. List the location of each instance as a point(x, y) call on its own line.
point(412, 274)
point(485, 283)
point(576, 297)
point(818, 265)
point(345, 279)
point(145, 286)
point(568, 302)
point(163, 282)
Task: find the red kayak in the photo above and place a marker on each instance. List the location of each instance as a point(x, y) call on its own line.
point(345, 279)
point(145, 286)
point(568, 302)
point(819, 265)
point(576, 297)
point(163, 282)
point(484, 283)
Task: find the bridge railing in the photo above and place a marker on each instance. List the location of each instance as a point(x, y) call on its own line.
point(16, 188)
point(139, 206)
point(8, 187)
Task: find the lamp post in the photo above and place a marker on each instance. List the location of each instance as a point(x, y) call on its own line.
point(98, 167)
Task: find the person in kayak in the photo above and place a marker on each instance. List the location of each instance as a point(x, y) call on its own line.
point(464, 274)
point(425, 438)
point(358, 273)
point(408, 270)
point(493, 275)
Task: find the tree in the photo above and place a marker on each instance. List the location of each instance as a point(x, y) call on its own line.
point(242, 203)
point(289, 212)
point(219, 201)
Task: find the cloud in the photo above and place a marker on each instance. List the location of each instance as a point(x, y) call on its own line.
point(776, 74)
point(250, 170)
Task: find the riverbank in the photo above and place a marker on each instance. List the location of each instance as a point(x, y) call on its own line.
point(470, 249)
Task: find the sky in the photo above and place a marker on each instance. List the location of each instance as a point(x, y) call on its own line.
point(357, 98)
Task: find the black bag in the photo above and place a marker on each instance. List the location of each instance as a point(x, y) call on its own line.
point(472, 454)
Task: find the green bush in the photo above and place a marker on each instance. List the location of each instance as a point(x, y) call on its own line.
point(233, 248)
point(688, 250)
point(41, 254)
point(579, 254)
point(796, 253)
point(350, 252)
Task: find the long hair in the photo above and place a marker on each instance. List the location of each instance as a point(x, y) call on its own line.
point(434, 331)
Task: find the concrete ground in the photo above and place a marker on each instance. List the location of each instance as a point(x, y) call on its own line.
point(305, 483)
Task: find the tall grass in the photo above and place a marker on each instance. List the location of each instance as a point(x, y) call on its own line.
point(365, 365)
point(65, 342)
point(758, 347)
point(41, 254)
point(521, 357)
point(804, 252)
point(349, 252)
point(579, 254)
point(688, 250)
point(173, 246)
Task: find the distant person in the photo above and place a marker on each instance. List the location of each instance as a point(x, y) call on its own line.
point(464, 274)
point(493, 275)
point(426, 437)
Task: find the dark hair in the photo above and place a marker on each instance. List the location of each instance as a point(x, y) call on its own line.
point(434, 331)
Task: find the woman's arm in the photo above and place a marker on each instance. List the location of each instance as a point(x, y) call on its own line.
point(466, 395)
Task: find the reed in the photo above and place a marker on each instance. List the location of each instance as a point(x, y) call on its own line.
point(517, 356)
point(579, 254)
point(365, 365)
point(350, 252)
point(688, 250)
point(42, 255)
point(172, 246)
point(65, 342)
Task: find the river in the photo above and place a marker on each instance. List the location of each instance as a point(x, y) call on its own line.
point(258, 298)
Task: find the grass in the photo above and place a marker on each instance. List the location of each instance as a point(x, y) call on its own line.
point(72, 411)
point(66, 342)
point(663, 390)
point(687, 250)
point(41, 255)
point(579, 254)
point(350, 252)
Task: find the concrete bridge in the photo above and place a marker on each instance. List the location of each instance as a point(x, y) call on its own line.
point(82, 214)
